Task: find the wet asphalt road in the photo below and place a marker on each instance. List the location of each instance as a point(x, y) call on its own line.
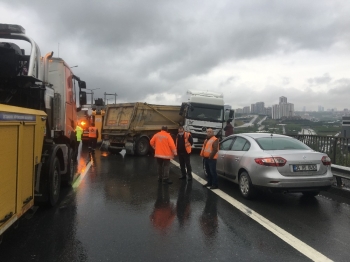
point(119, 212)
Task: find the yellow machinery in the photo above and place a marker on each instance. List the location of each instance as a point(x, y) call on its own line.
point(98, 120)
point(22, 133)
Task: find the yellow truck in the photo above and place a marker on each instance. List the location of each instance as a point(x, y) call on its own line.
point(38, 113)
point(22, 131)
point(130, 126)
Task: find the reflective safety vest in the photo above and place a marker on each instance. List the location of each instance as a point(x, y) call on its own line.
point(187, 144)
point(208, 148)
point(164, 145)
point(92, 132)
point(79, 132)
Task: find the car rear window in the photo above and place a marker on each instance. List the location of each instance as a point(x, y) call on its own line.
point(281, 143)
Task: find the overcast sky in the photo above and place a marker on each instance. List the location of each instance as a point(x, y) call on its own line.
point(156, 50)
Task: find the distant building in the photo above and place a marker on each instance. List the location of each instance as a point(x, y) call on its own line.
point(283, 100)
point(260, 107)
point(253, 109)
point(239, 110)
point(320, 109)
point(283, 109)
point(275, 112)
point(306, 116)
point(269, 111)
point(246, 110)
point(345, 126)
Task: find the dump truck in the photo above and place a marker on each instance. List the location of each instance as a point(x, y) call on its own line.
point(130, 126)
point(38, 113)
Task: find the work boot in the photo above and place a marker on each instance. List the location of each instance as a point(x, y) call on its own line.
point(189, 178)
point(182, 177)
point(167, 182)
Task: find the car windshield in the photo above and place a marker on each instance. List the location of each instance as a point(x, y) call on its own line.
point(281, 143)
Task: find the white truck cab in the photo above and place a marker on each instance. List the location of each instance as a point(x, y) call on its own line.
point(204, 110)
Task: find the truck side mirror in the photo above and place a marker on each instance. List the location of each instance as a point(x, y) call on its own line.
point(82, 84)
point(182, 109)
point(232, 113)
point(82, 98)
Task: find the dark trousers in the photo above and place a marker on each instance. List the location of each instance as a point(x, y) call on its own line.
point(163, 168)
point(184, 159)
point(92, 142)
point(210, 167)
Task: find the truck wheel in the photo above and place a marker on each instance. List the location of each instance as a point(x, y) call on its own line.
point(54, 182)
point(68, 177)
point(142, 146)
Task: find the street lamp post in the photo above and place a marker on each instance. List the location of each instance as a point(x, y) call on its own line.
point(92, 94)
point(115, 97)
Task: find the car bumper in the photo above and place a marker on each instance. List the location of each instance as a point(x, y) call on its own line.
point(274, 180)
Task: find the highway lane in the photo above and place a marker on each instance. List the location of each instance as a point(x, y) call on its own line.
point(119, 212)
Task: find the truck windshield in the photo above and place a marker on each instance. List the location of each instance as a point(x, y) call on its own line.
point(205, 113)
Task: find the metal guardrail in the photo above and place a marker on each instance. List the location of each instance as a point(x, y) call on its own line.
point(337, 148)
point(340, 172)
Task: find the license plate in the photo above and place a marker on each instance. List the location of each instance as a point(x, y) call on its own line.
point(301, 168)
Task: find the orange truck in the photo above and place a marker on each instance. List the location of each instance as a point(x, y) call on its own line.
point(38, 113)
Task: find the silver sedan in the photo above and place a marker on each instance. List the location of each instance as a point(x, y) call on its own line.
point(276, 162)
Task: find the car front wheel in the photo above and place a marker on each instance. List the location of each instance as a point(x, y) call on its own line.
point(245, 186)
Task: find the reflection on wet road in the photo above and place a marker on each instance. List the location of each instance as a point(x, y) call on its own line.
point(119, 212)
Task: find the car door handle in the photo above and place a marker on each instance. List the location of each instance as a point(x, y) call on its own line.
point(236, 158)
point(223, 156)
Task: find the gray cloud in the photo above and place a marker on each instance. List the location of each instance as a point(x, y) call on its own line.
point(138, 48)
point(325, 79)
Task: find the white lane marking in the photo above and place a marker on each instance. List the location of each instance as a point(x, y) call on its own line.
point(81, 176)
point(273, 228)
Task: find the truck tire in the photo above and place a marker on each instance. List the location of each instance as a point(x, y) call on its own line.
point(142, 146)
point(67, 178)
point(54, 182)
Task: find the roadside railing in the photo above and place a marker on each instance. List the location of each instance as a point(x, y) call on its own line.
point(337, 148)
point(340, 172)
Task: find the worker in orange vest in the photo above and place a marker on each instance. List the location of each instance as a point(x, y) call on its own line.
point(184, 142)
point(165, 150)
point(210, 154)
point(93, 134)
